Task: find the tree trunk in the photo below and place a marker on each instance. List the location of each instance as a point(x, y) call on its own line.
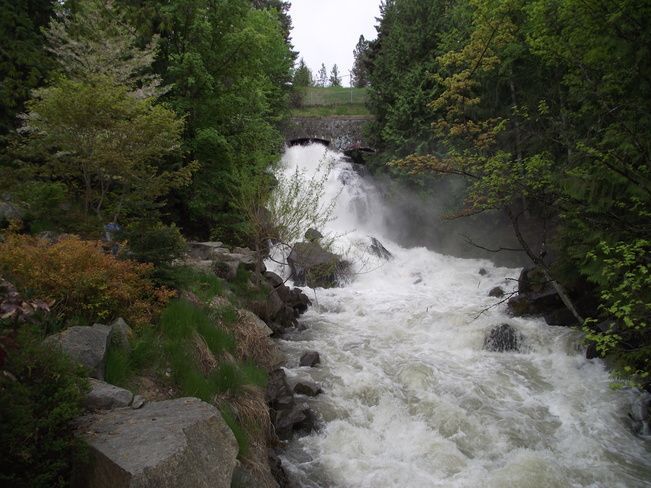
point(538, 261)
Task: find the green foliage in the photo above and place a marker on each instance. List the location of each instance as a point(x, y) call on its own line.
point(153, 242)
point(543, 107)
point(46, 204)
point(335, 78)
point(334, 96)
point(94, 41)
point(104, 145)
point(350, 110)
point(39, 399)
point(230, 68)
point(360, 66)
point(204, 285)
point(623, 273)
point(302, 75)
point(239, 432)
point(24, 61)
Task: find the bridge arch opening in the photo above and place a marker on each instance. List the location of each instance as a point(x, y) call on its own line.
point(304, 141)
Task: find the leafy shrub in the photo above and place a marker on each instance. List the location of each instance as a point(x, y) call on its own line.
point(41, 393)
point(44, 202)
point(153, 242)
point(623, 273)
point(85, 282)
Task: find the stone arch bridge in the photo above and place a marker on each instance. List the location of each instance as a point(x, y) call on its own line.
point(342, 133)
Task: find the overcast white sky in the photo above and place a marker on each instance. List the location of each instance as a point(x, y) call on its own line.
point(327, 31)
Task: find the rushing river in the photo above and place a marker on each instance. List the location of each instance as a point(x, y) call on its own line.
point(411, 399)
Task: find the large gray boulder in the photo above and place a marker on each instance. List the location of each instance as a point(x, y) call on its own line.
point(315, 267)
point(226, 264)
point(9, 211)
point(182, 442)
point(85, 345)
point(205, 251)
point(104, 396)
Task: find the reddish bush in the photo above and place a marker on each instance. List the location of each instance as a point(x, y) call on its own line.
point(82, 280)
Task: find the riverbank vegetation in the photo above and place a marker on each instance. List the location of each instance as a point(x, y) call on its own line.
point(125, 128)
point(543, 107)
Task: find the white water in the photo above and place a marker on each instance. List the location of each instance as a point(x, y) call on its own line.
point(410, 397)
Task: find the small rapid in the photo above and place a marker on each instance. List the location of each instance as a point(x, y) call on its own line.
point(412, 399)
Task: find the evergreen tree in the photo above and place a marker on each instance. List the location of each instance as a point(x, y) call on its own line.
point(24, 62)
point(302, 75)
point(231, 70)
point(360, 65)
point(335, 79)
point(322, 77)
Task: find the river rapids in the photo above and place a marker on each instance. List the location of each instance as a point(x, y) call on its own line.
point(411, 398)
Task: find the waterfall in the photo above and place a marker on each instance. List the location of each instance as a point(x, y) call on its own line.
point(411, 397)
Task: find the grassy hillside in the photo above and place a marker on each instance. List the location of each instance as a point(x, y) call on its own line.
point(329, 101)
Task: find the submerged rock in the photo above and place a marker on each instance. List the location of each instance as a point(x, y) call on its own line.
point(379, 250)
point(183, 442)
point(640, 414)
point(307, 388)
point(310, 359)
point(496, 292)
point(502, 338)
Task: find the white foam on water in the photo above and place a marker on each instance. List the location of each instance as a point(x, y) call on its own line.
point(411, 399)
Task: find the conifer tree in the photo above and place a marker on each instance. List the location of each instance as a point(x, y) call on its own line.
point(322, 77)
point(335, 79)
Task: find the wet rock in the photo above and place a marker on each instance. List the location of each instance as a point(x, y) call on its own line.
point(313, 235)
point(315, 267)
point(532, 280)
point(298, 418)
point(502, 338)
point(85, 345)
point(278, 394)
point(496, 292)
point(483, 272)
point(310, 359)
point(182, 442)
point(379, 250)
point(103, 396)
point(560, 316)
point(591, 351)
point(307, 388)
point(298, 301)
point(278, 472)
point(286, 317)
point(640, 414)
point(534, 303)
point(278, 284)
